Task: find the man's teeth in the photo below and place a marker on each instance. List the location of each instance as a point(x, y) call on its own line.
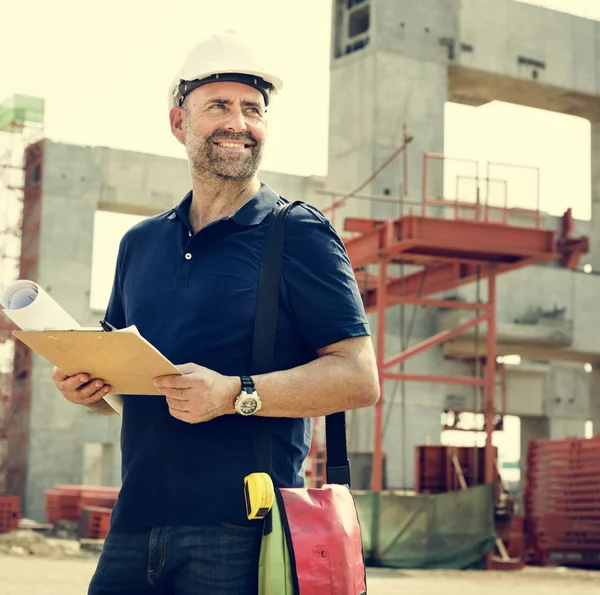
point(231, 145)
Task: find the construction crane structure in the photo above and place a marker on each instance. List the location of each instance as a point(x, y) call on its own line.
point(21, 146)
point(446, 244)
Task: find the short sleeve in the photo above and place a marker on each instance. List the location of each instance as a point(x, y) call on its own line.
point(115, 311)
point(320, 285)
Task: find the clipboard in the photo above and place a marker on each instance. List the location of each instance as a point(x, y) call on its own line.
point(123, 359)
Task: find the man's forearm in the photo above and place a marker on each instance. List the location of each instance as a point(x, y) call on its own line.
point(326, 385)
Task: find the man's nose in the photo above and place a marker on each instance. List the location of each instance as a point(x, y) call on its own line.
point(235, 120)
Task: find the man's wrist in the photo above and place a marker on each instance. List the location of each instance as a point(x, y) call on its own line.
point(235, 383)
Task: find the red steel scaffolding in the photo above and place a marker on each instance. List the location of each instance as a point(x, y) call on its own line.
point(450, 243)
point(21, 155)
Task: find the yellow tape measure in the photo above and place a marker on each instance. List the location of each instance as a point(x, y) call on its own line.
point(259, 494)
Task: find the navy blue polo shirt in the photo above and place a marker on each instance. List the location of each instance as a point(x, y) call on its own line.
point(194, 297)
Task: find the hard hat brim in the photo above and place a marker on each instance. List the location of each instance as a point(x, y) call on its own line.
point(257, 82)
point(175, 98)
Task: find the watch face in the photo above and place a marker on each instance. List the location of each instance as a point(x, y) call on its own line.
point(248, 405)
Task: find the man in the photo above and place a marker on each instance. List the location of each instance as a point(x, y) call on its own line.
point(188, 280)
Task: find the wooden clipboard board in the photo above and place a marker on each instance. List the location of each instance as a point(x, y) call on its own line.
point(124, 360)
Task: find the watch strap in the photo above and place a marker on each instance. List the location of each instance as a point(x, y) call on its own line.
point(247, 385)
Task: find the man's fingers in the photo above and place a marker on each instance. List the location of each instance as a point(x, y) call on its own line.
point(96, 396)
point(73, 382)
point(58, 375)
point(172, 381)
point(177, 394)
point(69, 382)
point(177, 405)
point(89, 389)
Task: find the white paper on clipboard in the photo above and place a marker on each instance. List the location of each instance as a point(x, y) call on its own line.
point(32, 309)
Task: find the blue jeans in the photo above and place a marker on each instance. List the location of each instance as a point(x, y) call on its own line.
point(214, 559)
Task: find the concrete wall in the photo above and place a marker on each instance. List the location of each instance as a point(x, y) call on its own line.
point(77, 182)
point(525, 54)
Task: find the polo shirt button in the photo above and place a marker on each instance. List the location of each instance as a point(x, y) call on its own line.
point(188, 256)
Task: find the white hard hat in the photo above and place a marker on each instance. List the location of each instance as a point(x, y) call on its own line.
point(223, 57)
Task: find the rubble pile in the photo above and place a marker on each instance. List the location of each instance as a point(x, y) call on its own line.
point(25, 542)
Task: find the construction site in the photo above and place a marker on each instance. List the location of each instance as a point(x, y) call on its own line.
point(483, 314)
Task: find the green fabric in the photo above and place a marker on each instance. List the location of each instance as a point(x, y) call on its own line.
point(441, 531)
point(274, 571)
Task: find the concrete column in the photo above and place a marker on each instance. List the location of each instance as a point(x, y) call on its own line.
point(595, 401)
point(595, 234)
point(399, 78)
point(566, 428)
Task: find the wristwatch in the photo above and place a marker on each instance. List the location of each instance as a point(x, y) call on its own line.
point(248, 402)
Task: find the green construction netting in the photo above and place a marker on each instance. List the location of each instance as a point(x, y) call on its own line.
point(443, 531)
point(18, 110)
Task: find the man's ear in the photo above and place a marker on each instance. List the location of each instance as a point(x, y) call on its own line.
point(177, 121)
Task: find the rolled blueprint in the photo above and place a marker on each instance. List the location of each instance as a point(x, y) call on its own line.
point(32, 309)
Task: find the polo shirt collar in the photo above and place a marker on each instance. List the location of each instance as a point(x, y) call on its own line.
point(252, 213)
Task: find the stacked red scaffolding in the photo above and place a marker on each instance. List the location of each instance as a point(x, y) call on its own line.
point(67, 502)
point(562, 501)
point(89, 506)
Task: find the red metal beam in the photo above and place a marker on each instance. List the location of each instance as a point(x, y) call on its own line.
point(450, 304)
point(377, 475)
point(437, 279)
point(434, 279)
point(357, 225)
point(364, 249)
point(445, 335)
point(465, 380)
point(490, 376)
point(431, 237)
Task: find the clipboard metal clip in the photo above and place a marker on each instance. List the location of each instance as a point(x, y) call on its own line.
point(107, 326)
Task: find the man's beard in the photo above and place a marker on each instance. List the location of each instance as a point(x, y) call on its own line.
point(206, 157)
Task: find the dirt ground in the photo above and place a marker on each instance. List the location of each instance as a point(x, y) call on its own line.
point(33, 575)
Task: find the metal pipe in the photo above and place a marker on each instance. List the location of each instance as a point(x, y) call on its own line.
point(435, 340)
point(369, 197)
point(376, 476)
point(440, 303)
point(490, 372)
point(375, 173)
point(405, 163)
point(464, 380)
point(424, 188)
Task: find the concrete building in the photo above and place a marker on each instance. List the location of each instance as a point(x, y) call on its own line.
point(393, 63)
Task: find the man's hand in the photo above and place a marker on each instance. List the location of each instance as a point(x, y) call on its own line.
point(199, 394)
point(79, 389)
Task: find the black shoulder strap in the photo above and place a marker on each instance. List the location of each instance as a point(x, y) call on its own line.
point(338, 466)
